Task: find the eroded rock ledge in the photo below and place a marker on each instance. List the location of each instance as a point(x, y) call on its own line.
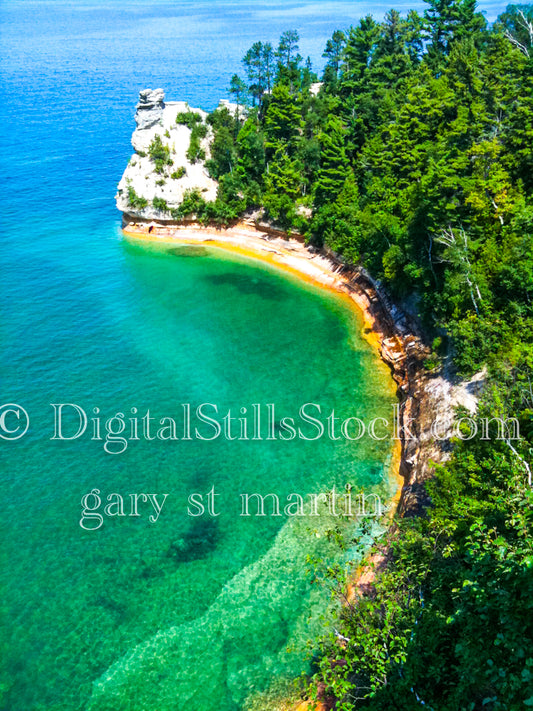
point(426, 396)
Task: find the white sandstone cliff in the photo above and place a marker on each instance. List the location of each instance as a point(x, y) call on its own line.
point(155, 117)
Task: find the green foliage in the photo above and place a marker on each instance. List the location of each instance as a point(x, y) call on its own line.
point(258, 64)
point(282, 187)
point(223, 153)
point(333, 53)
point(179, 173)
point(238, 89)
point(194, 206)
point(449, 22)
point(134, 200)
point(415, 159)
point(195, 152)
point(160, 154)
point(188, 118)
point(516, 21)
point(289, 60)
point(334, 168)
point(250, 147)
point(160, 204)
point(282, 119)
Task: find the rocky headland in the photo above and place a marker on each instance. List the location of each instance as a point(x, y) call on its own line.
point(168, 160)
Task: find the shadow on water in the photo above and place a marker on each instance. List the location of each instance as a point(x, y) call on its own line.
point(196, 543)
point(246, 284)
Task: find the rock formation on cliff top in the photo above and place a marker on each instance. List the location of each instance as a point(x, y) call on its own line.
point(150, 108)
point(167, 181)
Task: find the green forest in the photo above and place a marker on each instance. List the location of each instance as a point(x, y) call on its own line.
point(412, 156)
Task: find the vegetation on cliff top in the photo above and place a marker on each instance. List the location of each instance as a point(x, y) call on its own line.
point(415, 159)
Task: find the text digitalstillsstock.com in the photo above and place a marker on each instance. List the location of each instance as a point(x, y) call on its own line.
point(257, 422)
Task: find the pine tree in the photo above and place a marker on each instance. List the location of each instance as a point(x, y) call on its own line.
point(237, 88)
point(333, 163)
point(282, 120)
point(395, 53)
point(251, 149)
point(282, 187)
point(360, 46)
point(448, 21)
point(333, 54)
point(289, 60)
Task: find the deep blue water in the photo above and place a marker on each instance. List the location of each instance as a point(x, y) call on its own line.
point(92, 620)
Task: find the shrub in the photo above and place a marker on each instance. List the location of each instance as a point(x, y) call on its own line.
point(134, 200)
point(160, 154)
point(178, 173)
point(160, 204)
point(192, 204)
point(188, 118)
point(195, 152)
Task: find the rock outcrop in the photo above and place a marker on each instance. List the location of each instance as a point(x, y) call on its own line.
point(427, 397)
point(150, 189)
point(150, 108)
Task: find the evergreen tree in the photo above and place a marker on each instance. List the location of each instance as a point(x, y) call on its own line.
point(289, 60)
point(333, 54)
point(251, 151)
point(259, 66)
point(308, 76)
point(223, 153)
point(517, 23)
point(360, 46)
point(333, 163)
point(268, 66)
point(395, 53)
point(446, 22)
point(237, 89)
point(282, 119)
point(282, 187)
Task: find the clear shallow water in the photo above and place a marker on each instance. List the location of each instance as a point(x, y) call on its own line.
point(185, 612)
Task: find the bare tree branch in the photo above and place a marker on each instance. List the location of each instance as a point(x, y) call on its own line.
point(527, 25)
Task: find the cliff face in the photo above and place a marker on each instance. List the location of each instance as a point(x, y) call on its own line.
point(160, 169)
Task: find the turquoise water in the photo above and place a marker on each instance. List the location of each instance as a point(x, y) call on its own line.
point(184, 612)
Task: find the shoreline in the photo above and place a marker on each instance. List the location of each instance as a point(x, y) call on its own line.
point(397, 339)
